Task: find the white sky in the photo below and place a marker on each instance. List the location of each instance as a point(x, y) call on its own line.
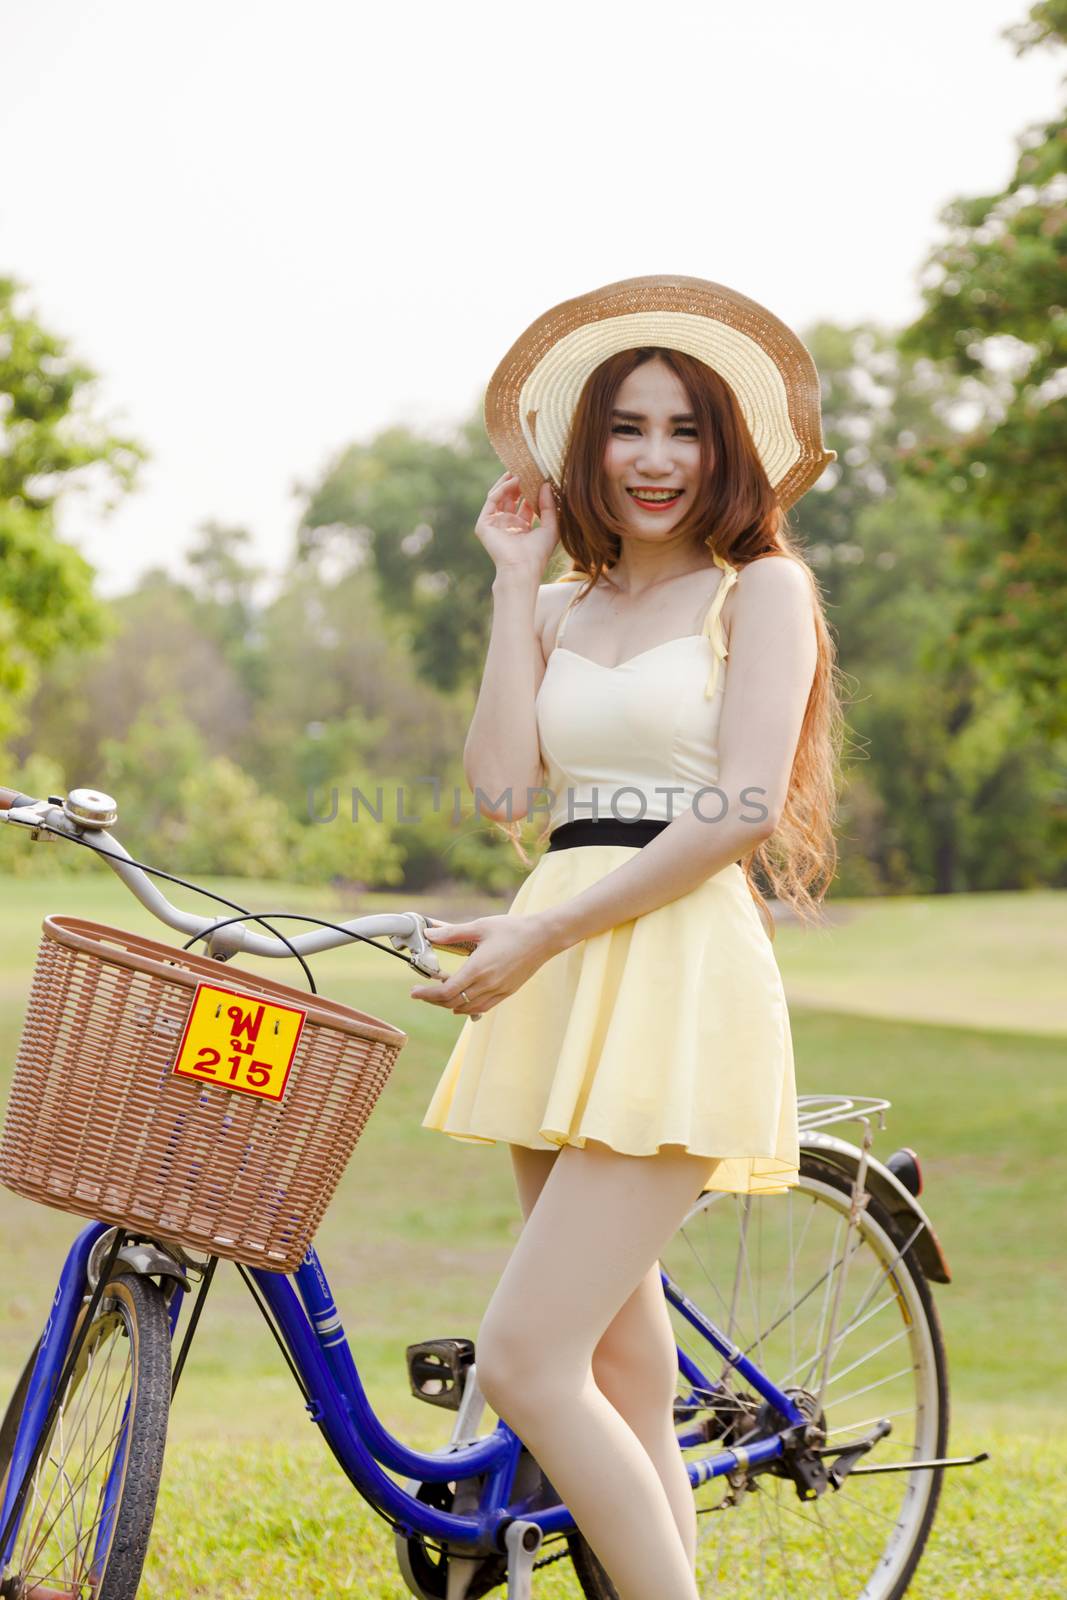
point(276, 228)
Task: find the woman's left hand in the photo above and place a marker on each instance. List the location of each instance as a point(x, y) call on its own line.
point(509, 950)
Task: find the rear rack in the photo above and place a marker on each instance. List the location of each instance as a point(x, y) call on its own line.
point(820, 1110)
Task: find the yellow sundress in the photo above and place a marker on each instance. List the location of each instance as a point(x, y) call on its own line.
point(671, 1028)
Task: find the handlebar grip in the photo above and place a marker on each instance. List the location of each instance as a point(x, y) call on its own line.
point(11, 797)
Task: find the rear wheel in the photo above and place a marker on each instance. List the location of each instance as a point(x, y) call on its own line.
point(766, 1271)
point(86, 1519)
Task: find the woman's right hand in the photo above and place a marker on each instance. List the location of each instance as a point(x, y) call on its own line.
point(506, 528)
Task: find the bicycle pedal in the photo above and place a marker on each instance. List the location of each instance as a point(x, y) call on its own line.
point(437, 1369)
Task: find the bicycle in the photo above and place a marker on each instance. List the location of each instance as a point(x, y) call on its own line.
point(825, 1475)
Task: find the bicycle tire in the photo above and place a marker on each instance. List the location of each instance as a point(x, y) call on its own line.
point(132, 1308)
point(594, 1581)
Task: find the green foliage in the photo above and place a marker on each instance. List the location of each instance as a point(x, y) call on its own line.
point(410, 505)
point(948, 783)
point(223, 823)
point(876, 402)
point(223, 588)
point(156, 662)
point(145, 769)
point(189, 811)
point(451, 841)
point(344, 840)
point(24, 857)
point(384, 832)
point(1045, 23)
point(49, 433)
point(51, 442)
point(996, 313)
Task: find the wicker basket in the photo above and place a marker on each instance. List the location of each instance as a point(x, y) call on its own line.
point(100, 1123)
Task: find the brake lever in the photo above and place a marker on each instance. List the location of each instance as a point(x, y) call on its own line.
point(424, 954)
point(466, 945)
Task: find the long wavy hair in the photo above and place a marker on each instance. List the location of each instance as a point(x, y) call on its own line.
point(735, 514)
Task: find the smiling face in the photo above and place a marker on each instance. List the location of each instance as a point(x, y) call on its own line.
point(652, 460)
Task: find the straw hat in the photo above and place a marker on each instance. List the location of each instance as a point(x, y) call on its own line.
point(532, 395)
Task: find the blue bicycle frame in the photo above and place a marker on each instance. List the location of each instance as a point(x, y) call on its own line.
point(304, 1312)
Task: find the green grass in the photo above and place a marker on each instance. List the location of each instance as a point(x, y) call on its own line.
point(985, 960)
point(421, 1225)
point(280, 1519)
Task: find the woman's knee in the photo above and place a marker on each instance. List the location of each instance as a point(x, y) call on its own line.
point(637, 1379)
point(635, 1364)
point(507, 1363)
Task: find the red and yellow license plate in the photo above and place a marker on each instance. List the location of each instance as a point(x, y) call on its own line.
point(240, 1041)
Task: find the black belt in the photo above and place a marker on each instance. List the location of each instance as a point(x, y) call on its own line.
point(604, 830)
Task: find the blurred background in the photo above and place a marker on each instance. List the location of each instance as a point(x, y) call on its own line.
point(256, 266)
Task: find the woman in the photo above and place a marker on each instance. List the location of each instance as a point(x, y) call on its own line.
point(635, 1046)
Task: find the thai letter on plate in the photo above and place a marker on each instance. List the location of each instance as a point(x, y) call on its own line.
point(240, 1041)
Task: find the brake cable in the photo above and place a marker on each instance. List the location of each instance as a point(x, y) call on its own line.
point(232, 905)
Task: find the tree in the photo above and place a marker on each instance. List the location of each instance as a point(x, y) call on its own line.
point(876, 403)
point(49, 445)
point(946, 782)
point(223, 823)
point(156, 652)
point(996, 313)
point(146, 767)
point(334, 691)
point(223, 585)
point(409, 504)
point(46, 857)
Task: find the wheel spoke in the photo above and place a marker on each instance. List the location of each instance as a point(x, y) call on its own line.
point(711, 1282)
point(824, 1278)
point(88, 1471)
point(781, 1542)
point(824, 1311)
point(66, 1501)
point(882, 1273)
point(100, 1391)
point(831, 1543)
point(73, 1389)
point(67, 1429)
point(860, 1428)
point(861, 1361)
point(870, 1387)
point(807, 1288)
point(742, 1258)
point(819, 1528)
point(841, 1499)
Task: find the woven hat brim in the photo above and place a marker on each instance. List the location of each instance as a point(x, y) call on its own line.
point(532, 395)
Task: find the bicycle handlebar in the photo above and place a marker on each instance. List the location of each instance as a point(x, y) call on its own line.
point(12, 797)
point(404, 929)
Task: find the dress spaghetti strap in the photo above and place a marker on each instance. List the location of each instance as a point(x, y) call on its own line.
point(565, 617)
point(713, 628)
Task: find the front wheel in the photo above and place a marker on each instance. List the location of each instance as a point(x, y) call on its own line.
point(85, 1522)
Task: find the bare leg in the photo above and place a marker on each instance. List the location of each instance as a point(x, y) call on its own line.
point(636, 1366)
point(532, 1168)
point(635, 1363)
point(593, 1235)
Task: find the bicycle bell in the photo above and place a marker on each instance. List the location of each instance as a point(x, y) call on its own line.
point(89, 808)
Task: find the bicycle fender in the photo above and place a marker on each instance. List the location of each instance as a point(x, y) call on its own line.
point(889, 1191)
point(143, 1259)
